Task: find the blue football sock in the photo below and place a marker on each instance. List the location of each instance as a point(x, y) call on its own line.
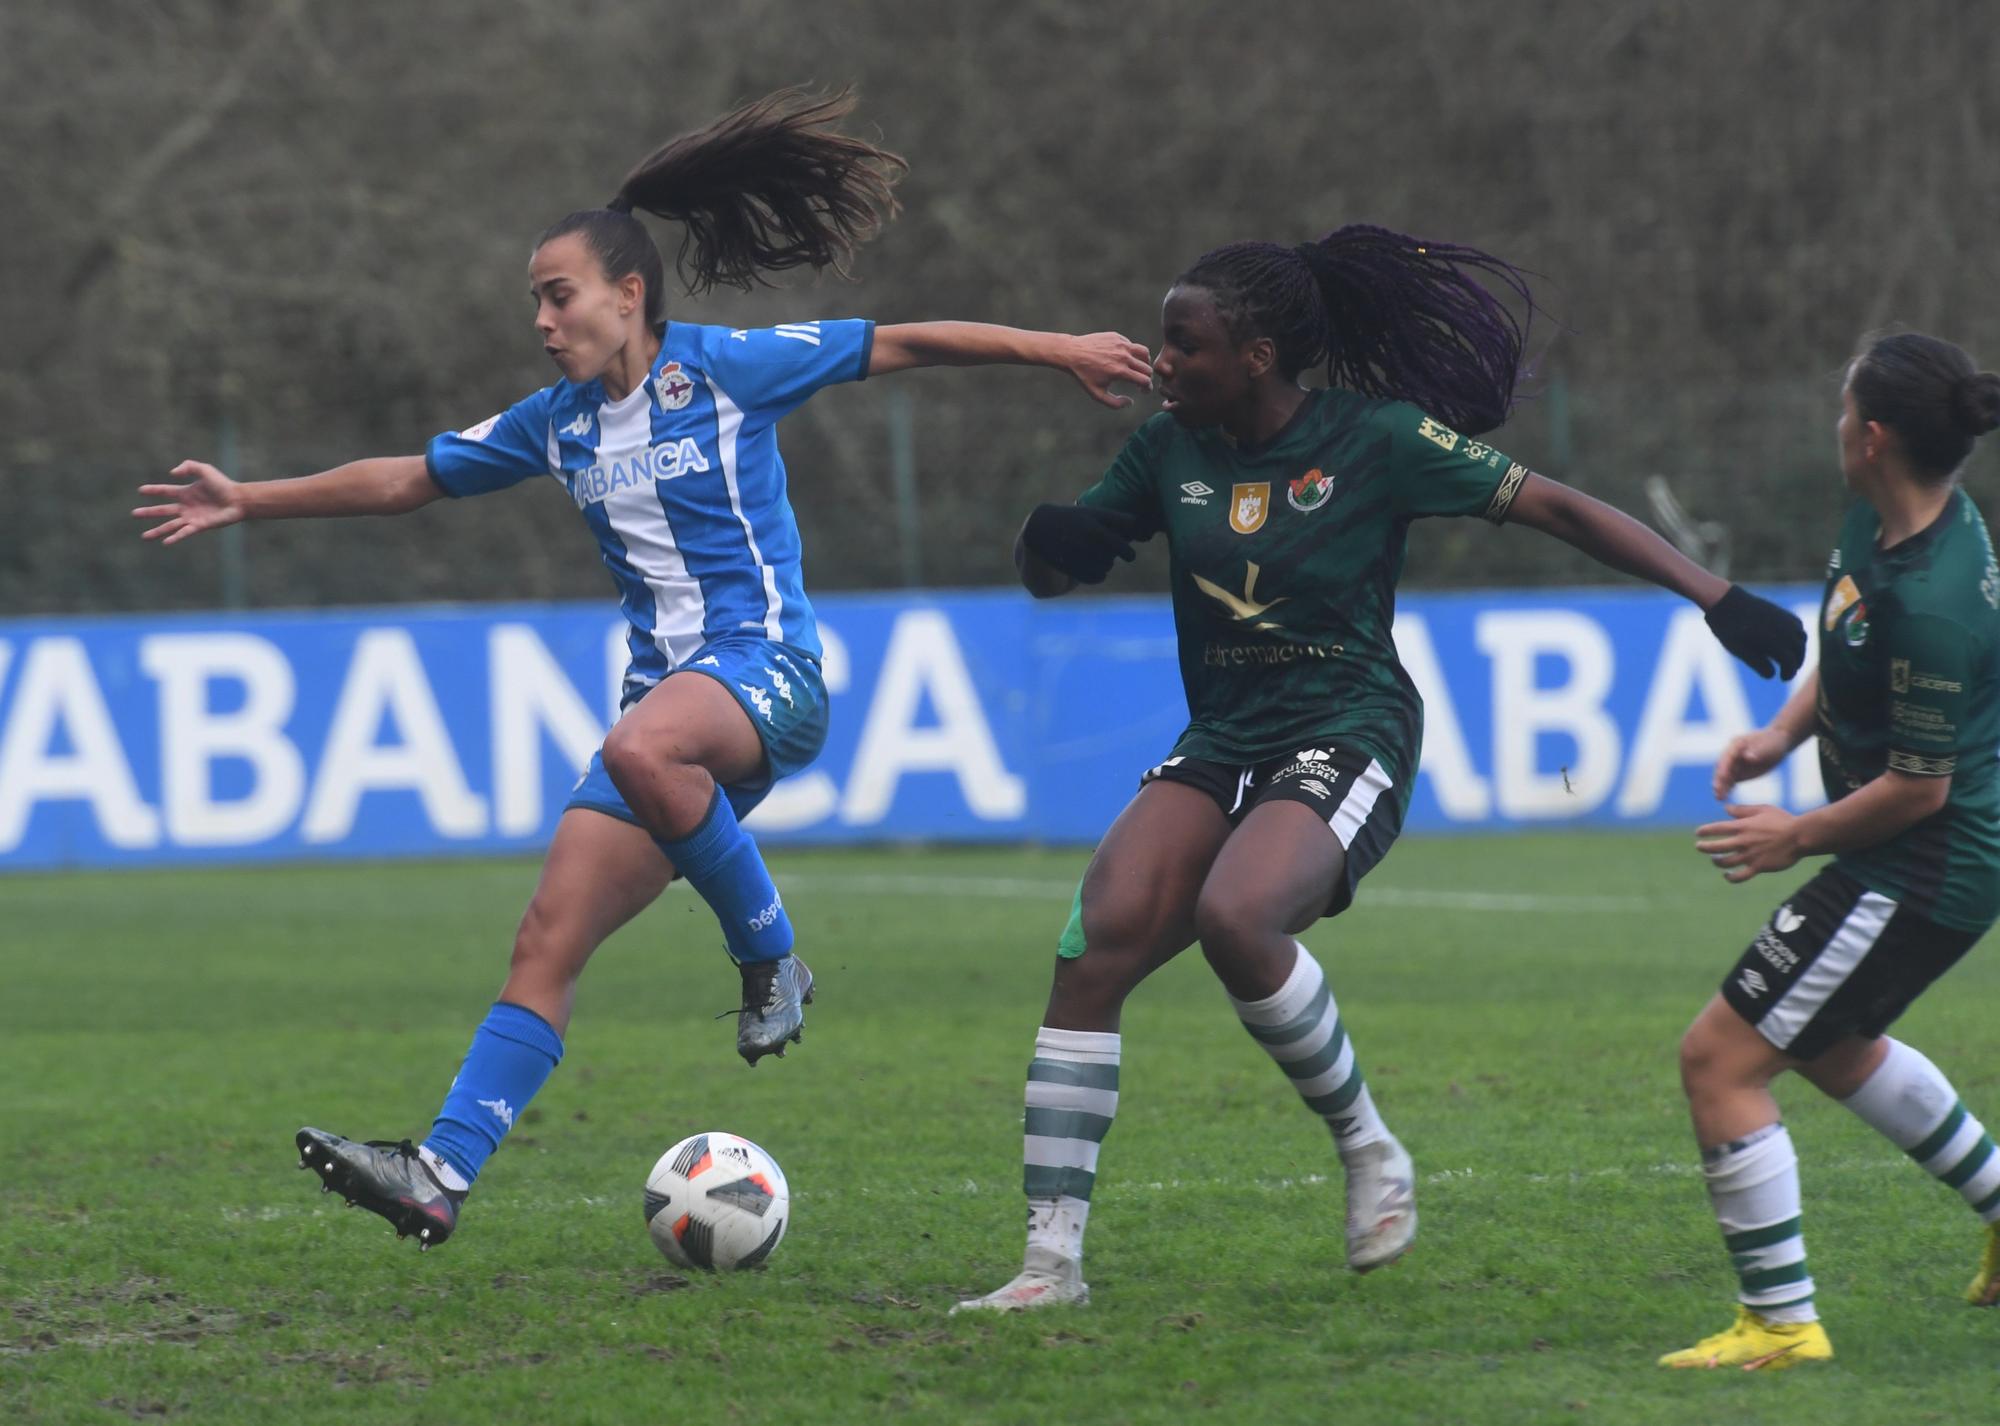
point(721, 862)
point(512, 1052)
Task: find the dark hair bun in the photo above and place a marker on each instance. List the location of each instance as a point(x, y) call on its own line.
point(1975, 402)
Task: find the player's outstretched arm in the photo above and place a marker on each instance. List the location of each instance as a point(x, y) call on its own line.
point(1096, 361)
point(382, 485)
point(1769, 639)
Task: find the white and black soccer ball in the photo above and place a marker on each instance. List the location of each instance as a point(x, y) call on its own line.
point(717, 1201)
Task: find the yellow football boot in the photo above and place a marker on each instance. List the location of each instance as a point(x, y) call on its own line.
point(1985, 1288)
point(1756, 1345)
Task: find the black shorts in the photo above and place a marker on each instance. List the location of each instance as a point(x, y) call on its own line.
point(1838, 960)
point(1348, 788)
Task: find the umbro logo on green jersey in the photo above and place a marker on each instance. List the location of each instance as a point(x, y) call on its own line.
point(1196, 492)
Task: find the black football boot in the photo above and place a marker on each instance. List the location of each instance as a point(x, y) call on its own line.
point(383, 1177)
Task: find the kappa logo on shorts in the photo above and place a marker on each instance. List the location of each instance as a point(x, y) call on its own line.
point(782, 684)
point(1753, 984)
point(760, 698)
point(1787, 920)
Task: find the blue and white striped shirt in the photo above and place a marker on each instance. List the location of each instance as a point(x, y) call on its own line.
point(681, 481)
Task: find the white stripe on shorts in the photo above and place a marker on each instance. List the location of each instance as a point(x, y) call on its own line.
point(1846, 950)
point(1348, 818)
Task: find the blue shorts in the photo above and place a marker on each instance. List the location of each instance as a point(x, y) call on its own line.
point(779, 687)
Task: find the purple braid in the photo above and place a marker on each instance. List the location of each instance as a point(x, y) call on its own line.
point(1392, 316)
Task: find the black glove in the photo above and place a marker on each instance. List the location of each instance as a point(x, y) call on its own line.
point(1769, 639)
point(1080, 540)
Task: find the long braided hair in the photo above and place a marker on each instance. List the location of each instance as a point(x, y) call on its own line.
point(769, 186)
point(1392, 316)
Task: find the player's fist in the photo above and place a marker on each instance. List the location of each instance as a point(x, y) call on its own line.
point(1769, 639)
point(1080, 540)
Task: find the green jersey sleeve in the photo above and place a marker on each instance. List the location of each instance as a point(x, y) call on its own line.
point(1932, 665)
point(1129, 484)
point(1440, 472)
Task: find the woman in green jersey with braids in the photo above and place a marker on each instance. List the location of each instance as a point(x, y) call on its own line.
point(1905, 704)
point(1285, 512)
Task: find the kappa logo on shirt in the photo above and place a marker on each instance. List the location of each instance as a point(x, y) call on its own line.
point(580, 426)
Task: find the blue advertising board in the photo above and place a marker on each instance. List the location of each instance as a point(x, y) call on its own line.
point(956, 716)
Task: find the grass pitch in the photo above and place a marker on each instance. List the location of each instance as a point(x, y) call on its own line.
point(1515, 1003)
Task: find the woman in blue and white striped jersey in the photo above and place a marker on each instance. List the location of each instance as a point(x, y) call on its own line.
point(665, 436)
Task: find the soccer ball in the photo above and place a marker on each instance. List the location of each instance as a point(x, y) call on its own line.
point(717, 1201)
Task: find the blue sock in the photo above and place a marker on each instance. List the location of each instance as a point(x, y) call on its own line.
point(722, 863)
point(512, 1052)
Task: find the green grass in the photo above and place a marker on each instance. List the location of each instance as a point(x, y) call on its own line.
point(162, 1035)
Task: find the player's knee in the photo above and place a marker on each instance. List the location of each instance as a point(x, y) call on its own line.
point(1713, 1060)
point(1225, 917)
point(1096, 982)
point(1115, 923)
point(626, 756)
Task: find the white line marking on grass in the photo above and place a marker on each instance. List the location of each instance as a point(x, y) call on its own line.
point(1021, 888)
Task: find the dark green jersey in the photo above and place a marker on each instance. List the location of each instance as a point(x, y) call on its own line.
point(1909, 679)
point(1284, 566)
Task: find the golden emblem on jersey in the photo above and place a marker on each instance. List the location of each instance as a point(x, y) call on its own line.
point(1249, 503)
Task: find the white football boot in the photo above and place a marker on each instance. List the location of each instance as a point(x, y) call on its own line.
point(1046, 1279)
point(1381, 1204)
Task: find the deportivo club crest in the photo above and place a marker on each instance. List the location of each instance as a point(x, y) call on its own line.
point(1249, 503)
point(1310, 490)
point(672, 389)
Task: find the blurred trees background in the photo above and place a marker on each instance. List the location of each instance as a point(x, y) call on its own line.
point(293, 232)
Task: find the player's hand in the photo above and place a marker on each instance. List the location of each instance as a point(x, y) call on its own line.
point(209, 501)
point(1080, 540)
point(1101, 358)
point(1766, 637)
point(1755, 839)
point(1748, 755)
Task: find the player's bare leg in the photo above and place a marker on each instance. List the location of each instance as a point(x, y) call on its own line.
point(600, 872)
point(669, 758)
point(1273, 879)
point(1135, 913)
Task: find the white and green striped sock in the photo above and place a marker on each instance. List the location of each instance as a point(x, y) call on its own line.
point(1071, 1099)
point(1753, 1184)
point(1910, 1102)
point(1300, 1028)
